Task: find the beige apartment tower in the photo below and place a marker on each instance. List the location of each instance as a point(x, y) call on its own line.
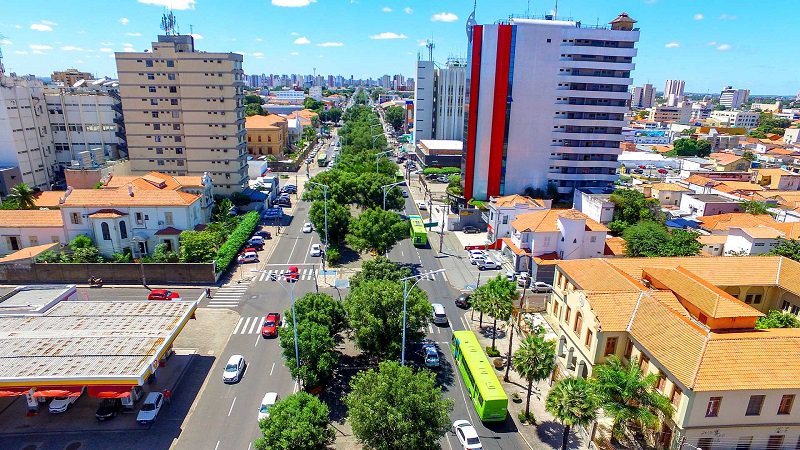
point(184, 111)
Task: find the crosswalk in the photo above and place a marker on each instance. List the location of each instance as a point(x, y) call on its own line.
point(250, 325)
point(228, 296)
point(305, 274)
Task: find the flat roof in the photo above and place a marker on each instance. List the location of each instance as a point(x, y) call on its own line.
point(715, 198)
point(442, 144)
point(82, 343)
point(34, 299)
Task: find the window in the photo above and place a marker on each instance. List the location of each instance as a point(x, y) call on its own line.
point(168, 218)
point(139, 219)
point(775, 442)
point(156, 126)
point(675, 398)
point(704, 443)
point(754, 405)
point(567, 314)
point(588, 341)
point(75, 218)
point(578, 323)
point(786, 405)
point(33, 240)
point(611, 346)
point(151, 76)
point(644, 363)
point(148, 63)
point(171, 76)
point(105, 230)
point(154, 114)
point(123, 230)
point(662, 381)
point(170, 63)
point(151, 89)
point(173, 101)
point(712, 410)
point(629, 350)
point(173, 89)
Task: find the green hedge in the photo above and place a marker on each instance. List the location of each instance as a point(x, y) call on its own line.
point(441, 171)
point(230, 249)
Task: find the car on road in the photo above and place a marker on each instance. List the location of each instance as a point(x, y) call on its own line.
point(316, 250)
point(234, 369)
point(487, 264)
point(307, 227)
point(247, 257)
point(431, 355)
point(108, 409)
point(511, 276)
point(62, 404)
point(462, 301)
point(439, 316)
point(404, 194)
point(470, 230)
point(269, 400)
point(271, 324)
point(292, 274)
point(523, 280)
point(150, 408)
point(541, 286)
point(467, 435)
point(475, 258)
point(422, 206)
point(163, 294)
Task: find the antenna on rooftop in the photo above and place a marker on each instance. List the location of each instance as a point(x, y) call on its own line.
point(430, 45)
point(169, 23)
point(2, 69)
point(555, 11)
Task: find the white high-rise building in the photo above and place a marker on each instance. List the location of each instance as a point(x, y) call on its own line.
point(643, 96)
point(424, 105)
point(733, 98)
point(673, 91)
point(439, 100)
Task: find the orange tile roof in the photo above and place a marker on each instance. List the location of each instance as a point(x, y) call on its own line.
point(615, 246)
point(597, 275)
point(31, 218)
point(663, 148)
point(263, 122)
point(781, 151)
point(774, 172)
point(762, 232)
point(154, 181)
point(511, 200)
point(546, 220)
point(724, 222)
point(28, 252)
point(614, 309)
point(711, 239)
point(120, 198)
point(734, 186)
point(514, 248)
point(669, 187)
point(724, 158)
point(107, 214)
point(701, 180)
point(48, 199)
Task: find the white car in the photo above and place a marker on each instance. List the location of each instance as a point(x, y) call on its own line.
point(234, 369)
point(62, 404)
point(477, 258)
point(150, 408)
point(540, 286)
point(268, 402)
point(316, 250)
point(307, 227)
point(488, 264)
point(467, 435)
point(422, 206)
point(476, 253)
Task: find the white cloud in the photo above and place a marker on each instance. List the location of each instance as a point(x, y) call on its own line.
point(124, 20)
point(172, 4)
point(331, 44)
point(699, 16)
point(302, 40)
point(422, 42)
point(292, 3)
point(127, 45)
point(241, 52)
point(72, 48)
point(258, 55)
point(388, 35)
point(20, 52)
point(40, 47)
point(19, 27)
point(712, 43)
point(197, 36)
point(724, 16)
point(133, 34)
point(79, 61)
point(724, 47)
point(106, 44)
point(408, 10)
point(259, 39)
point(48, 22)
point(294, 53)
point(673, 44)
point(386, 9)
point(444, 17)
point(294, 33)
point(5, 42)
point(38, 52)
point(107, 50)
point(41, 27)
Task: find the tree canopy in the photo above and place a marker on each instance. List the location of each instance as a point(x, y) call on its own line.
point(316, 346)
point(320, 308)
point(789, 248)
point(23, 196)
point(534, 360)
point(396, 116)
point(778, 319)
point(769, 124)
point(631, 207)
point(653, 239)
point(572, 401)
point(754, 207)
point(298, 422)
point(338, 220)
point(376, 230)
point(688, 147)
point(380, 268)
point(495, 299)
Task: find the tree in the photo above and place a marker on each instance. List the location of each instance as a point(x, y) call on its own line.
point(534, 360)
point(572, 401)
point(789, 248)
point(320, 308)
point(628, 396)
point(395, 408)
point(631, 206)
point(23, 195)
point(313, 104)
point(254, 109)
point(396, 116)
point(298, 422)
point(316, 349)
point(754, 207)
point(375, 313)
point(80, 241)
point(653, 239)
point(86, 255)
point(198, 246)
point(253, 99)
point(376, 230)
point(380, 268)
point(331, 115)
point(338, 221)
point(690, 147)
point(777, 319)
point(748, 155)
point(495, 298)
point(162, 254)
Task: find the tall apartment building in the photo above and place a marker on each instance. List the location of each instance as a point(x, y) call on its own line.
point(736, 119)
point(673, 91)
point(440, 100)
point(25, 138)
point(546, 101)
point(70, 76)
point(733, 98)
point(643, 96)
point(184, 111)
point(677, 114)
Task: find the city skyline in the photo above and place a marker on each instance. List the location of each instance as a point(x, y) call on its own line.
point(300, 35)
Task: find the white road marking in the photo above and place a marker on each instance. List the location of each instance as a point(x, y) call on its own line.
point(256, 322)
point(216, 446)
point(232, 403)
point(464, 322)
point(221, 306)
point(444, 275)
point(430, 328)
point(236, 330)
point(293, 247)
point(258, 338)
point(249, 445)
point(246, 325)
point(272, 369)
point(308, 251)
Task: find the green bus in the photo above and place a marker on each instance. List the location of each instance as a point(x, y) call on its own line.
point(322, 159)
point(488, 396)
point(419, 235)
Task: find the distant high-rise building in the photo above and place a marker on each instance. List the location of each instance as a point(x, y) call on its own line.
point(733, 98)
point(439, 100)
point(184, 111)
point(532, 117)
point(643, 96)
point(70, 76)
point(673, 91)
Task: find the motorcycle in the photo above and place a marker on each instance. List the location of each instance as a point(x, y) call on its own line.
point(95, 282)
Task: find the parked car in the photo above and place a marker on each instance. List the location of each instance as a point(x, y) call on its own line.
point(523, 280)
point(271, 324)
point(405, 194)
point(663, 171)
point(422, 206)
point(264, 234)
point(150, 408)
point(470, 230)
point(269, 400)
point(488, 264)
point(476, 258)
point(540, 286)
point(462, 301)
point(439, 316)
point(234, 369)
point(130, 401)
point(163, 294)
point(62, 404)
point(247, 257)
point(292, 274)
point(316, 250)
point(511, 276)
point(257, 242)
point(431, 355)
point(467, 435)
point(307, 227)
point(285, 202)
point(108, 409)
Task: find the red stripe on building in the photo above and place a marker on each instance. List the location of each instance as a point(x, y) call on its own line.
point(472, 125)
point(499, 109)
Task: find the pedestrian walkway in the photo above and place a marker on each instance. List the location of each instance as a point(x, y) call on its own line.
point(228, 296)
point(305, 274)
point(248, 325)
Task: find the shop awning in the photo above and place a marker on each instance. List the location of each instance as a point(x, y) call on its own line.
point(13, 391)
point(112, 391)
point(58, 391)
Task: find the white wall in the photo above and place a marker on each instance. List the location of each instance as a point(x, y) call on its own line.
point(24, 237)
point(423, 101)
point(91, 112)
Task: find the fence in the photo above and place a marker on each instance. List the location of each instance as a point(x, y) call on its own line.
point(110, 273)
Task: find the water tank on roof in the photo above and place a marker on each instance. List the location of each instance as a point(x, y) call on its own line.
point(99, 156)
point(85, 158)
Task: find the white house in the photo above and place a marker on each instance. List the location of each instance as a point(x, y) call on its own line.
point(503, 211)
point(595, 203)
point(751, 240)
point(28, 228)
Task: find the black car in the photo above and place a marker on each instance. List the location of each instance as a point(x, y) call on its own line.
point(283, 202)
point(108, 409)
point(264, 234)
point(470, 230)
point(463, 301)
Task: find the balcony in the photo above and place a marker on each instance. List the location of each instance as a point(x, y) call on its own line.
point(572, 49)
point(597, 65)
point(566, 107)
point(586, 150)
point(560, 120)
point(587, 136)
point(593, 94)
point(583, 164)
point(555, 176)
point(594, 79)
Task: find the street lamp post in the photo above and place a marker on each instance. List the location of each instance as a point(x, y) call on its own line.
point(406, 291)
point(325, 197)
point(385, 187)
point(378, 158)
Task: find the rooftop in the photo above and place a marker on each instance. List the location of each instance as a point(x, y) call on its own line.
point(546, 220)
point(442, 144)
point(268, 121)
point(31, 218)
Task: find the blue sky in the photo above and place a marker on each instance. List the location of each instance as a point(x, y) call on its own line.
point(709, 43)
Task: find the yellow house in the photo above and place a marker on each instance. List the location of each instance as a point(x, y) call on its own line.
point(728, 162)
point(692, 322)
point(267, 135)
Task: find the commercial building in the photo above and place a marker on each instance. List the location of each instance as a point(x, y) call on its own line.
point(439, 100)
point(733, 98)
point(643, 96)
point(595, 203)
point(735, 119)
point(678, 114)
point(673, 91)
point(545, 103)
point(439, 153)
point(184, 111)
point(291, 96)
point(69, 77)
point(267, 135)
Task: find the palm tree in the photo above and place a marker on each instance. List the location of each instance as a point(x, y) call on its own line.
point(629, 397)
point(495, 299)
point(573, 401)
point(534, 360)
point(23, 195)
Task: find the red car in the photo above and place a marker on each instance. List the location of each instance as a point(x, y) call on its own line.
point(292, 274)
point(163, 294)
point(271, 324)
point(662, 171)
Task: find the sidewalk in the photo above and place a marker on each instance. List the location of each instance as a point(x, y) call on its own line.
point(547, 433)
